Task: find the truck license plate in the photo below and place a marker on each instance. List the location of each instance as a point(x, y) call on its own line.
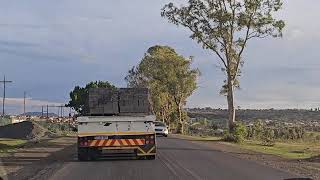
point(101, 137)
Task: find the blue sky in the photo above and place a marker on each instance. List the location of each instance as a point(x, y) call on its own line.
point(48, 47)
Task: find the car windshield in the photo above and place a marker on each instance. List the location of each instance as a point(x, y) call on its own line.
point(161, 124)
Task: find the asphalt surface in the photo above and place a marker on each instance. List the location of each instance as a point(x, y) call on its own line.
point(177, 159)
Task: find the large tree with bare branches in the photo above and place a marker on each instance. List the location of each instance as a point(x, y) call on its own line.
point(225, 27)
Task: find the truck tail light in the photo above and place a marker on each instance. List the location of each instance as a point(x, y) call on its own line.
point(83, 141)
point(150, 139)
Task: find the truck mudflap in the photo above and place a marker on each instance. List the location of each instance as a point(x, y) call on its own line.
point(139, 145)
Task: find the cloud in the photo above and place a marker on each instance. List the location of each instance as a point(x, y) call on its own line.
point(30, 102)
point(97, 19)
point(15, 105)
point(17, 44)
point(33, 55)
point(294, 34)
point(27, 26)
point(76, 42)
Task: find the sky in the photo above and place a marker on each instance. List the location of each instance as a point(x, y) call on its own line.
point(48, 47)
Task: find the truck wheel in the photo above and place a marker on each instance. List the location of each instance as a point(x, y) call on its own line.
point(152, 157)
point(93, 154)
point(83, 154)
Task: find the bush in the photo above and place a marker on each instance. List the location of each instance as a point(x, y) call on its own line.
point(268, 138)
point(4, 121)
point(269, 133)
point(238, 134)
point(228, 137)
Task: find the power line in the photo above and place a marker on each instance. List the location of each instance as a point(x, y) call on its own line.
point(4, 93)
point(60, 110)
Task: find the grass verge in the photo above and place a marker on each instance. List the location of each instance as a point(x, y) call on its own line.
point(289, 150)
point(7, 145)
point(199, 138)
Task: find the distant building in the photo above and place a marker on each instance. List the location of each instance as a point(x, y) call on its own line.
point(17, 119)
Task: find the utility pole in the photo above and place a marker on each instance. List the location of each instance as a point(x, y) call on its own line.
point(24, 102)
point(4, 93)
point(47, 111)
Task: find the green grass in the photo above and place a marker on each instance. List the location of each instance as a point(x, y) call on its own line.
point(286, 150)
point(200, 138)
point(10, 144)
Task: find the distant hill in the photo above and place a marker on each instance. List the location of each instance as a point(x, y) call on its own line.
point(287, 115)
point(39, 114)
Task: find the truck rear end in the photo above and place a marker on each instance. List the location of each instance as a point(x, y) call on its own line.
point(116, 136)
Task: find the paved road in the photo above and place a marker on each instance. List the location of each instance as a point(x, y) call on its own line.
point(177, 159)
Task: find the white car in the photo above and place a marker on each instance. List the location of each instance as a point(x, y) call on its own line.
point(161, 128)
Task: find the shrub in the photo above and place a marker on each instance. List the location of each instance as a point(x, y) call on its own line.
point(4, 121)
point(255, 131)
point(240, 132)
point(237, 135)
point(268, 138)
point(258, 127)
point(228, 137)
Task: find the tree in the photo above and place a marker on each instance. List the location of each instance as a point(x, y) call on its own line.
point(225, 27)
point(170, 79)
point(79, 96)
point(135, 78)
point(161, 102)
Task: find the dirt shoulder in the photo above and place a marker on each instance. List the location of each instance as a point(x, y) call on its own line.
point(36, 157)
point(304, 167)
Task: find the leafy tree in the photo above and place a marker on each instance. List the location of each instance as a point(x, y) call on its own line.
point(225, 27)
point(135, 78)
point(161, 101)
point(170, 79)
point(79, 96)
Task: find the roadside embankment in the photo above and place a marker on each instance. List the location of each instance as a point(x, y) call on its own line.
point(26, 161)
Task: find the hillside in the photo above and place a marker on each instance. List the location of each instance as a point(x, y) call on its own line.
point(248, 115)
point(39, 114)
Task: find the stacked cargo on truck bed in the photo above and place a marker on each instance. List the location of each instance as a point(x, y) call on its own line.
point(123, 101)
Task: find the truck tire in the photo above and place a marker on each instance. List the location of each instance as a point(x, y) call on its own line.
point(83, 154)
point(152, 157)
point(93, 154)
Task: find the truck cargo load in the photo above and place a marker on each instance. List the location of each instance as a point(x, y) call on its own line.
point(103, 101)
